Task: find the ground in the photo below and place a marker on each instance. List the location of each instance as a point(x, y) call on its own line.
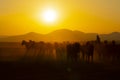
point(58, 71)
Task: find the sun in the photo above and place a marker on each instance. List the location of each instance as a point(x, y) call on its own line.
point(49, 15)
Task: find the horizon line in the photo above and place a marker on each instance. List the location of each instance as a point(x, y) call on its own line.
point(58, 30)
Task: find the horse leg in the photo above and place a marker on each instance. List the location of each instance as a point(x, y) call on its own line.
point(92, 58)
point(88, 59)
point(83, 57)
point(26, 53)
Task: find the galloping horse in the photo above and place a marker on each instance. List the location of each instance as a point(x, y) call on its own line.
point(73, 51)
point(30, 47)
point(87, 51)
point(108, 51)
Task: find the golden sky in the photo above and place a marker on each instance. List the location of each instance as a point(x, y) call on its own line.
point(90, 16)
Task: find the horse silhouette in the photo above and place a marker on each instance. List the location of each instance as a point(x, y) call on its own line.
point(60, 50)
point(87, 51)
point(108, 51)
point(49, 50)
point(28, 45)
point(32, 48)
point(73, 51)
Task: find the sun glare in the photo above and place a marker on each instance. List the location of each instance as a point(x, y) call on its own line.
point(49, 15)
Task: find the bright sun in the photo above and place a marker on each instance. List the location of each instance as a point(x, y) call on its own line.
point(49, 15)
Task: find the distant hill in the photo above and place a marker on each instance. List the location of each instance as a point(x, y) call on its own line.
point(61, 35)
point(18, 38)
point(3, 36)
point(111, 36)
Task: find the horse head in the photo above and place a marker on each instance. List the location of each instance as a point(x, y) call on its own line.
point(23, 42)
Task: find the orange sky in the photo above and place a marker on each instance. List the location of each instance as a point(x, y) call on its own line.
point(96, 16)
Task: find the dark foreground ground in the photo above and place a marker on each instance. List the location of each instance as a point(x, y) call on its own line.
point(58, 71)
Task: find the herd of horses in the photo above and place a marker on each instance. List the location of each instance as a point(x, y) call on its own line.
point(75, 51)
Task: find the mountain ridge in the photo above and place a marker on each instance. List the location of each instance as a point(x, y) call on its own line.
point(61, 35)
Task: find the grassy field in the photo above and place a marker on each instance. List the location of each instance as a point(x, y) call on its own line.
point(58, 71)
point(13, 66)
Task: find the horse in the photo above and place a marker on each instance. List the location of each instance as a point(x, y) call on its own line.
point(73, 51)
point(60, 50)
point(87, 51)
point(32, 47)
point(108, 51)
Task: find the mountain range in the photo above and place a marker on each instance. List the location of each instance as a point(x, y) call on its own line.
point(60, 35)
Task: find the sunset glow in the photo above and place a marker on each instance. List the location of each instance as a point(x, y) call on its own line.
point(49, 16)
point(44, 16)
